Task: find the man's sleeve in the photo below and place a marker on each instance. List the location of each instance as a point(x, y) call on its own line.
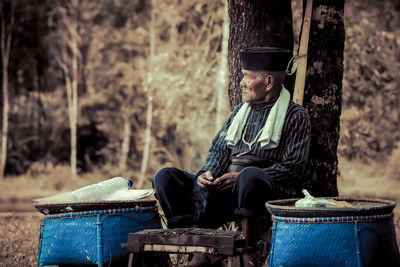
point(218, 157)
point(296, 149)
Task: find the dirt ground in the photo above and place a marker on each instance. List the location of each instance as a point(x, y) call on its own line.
point(19, 231)
point(19, 236)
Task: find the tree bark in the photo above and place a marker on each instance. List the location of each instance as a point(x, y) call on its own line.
point(255, 23)
point(5, 42)
point(323, 94)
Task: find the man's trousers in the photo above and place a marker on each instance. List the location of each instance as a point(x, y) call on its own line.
point(185, 204)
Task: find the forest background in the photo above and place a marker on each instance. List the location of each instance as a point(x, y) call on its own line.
point(170, 56)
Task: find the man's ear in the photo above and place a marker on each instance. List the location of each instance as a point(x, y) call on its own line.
point(269, 82)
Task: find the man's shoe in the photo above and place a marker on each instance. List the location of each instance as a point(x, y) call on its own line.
point(256, 257)
point(199, 260)
point(250, 260)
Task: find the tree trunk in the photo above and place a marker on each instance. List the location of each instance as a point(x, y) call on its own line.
point(222, 78)
point(147, 143)
point(4, 131)
point(69, 65)
point(255, 23)
point(323, 94)
point(5, 43)
point(74, 107)
point(148, 90)
point(125, 142)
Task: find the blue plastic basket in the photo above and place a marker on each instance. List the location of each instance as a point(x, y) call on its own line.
point(92, 237)
point(359, 236)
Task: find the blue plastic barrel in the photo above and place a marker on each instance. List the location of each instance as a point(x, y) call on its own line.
point(363, 235)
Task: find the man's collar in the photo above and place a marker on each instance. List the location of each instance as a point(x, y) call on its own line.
point(263, 105)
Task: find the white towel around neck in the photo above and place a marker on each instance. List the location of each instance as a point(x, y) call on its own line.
point(272, 129)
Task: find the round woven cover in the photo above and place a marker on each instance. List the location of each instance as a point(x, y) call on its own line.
point(95, 205)
point(361, 206)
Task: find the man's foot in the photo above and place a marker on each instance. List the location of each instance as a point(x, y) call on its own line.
point(256, 257)
point(249, 260)
point(198, 260)
point(253, 260)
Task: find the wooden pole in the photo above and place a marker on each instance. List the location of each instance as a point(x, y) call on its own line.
point(302, 60)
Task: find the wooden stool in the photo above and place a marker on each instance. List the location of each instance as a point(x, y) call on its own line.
point(187, 240)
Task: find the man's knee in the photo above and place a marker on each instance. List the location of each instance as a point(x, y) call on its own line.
point(163, 177)
point(251, 175)
point(253, 178)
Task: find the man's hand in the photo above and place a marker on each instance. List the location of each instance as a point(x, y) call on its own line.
point(226, 181)
point(205, 181)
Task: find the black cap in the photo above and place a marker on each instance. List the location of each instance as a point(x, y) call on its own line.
point(265, 58)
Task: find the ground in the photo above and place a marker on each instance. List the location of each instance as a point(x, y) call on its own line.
point(19, 236)
point(19, 231)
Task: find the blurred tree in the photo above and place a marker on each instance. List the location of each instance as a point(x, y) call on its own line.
point(371, 85)
point(115, 43)
point(221, 84)
point(30, 77)
point(6, 7)
point(148, 88)
point(67, 58)
point(186, 64)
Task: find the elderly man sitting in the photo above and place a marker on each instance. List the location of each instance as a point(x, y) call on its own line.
point(258, 155)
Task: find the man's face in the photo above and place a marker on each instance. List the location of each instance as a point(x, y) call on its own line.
point(253, 86)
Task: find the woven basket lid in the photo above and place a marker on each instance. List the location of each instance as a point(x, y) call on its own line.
point(94, 205)
point(361, 206)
